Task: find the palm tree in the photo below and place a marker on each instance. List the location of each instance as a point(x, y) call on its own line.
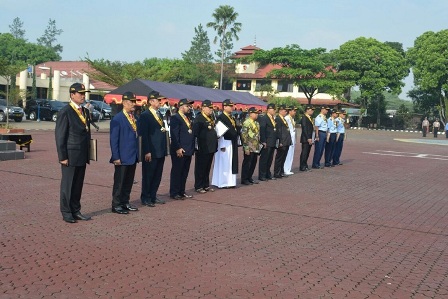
point(226, 29)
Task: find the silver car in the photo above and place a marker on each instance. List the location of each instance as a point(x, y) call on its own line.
point(13, 112)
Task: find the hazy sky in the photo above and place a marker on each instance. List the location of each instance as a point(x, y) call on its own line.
point(137, 29)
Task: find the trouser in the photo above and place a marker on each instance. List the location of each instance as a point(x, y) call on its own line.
point(248, 166)
point(329, 149)
point(280, 158)
point(202, 167)
point(264, 166)
point(151, 177)
point(179, 174)
point(338, 149)
point(319, 148)
point(424, 130)
point(123, 181)
point(289, 159)
point(72, 182)
point(446, 133)
point(436, 131)
point(304, 155)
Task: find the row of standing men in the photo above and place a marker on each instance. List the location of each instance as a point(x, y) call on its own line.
point(258, 137)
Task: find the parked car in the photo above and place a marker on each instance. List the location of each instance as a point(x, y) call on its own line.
point(44, 109)
point(96, 115)
point(13, 112)
point(103, 108)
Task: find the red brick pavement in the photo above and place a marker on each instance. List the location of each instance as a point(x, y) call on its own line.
point(375, 227)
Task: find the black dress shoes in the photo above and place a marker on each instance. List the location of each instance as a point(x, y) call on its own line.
point(79, 216)
point(185, 195)
point(119, 210)
point(209, 189)
point(69, 220)
point(130, 207)
point(159, 201)
point(272, 178)
point(253, 181)
point(201, 190)
point(247, 183)
point(177, 197)
point(150, 204)
point(262, 179)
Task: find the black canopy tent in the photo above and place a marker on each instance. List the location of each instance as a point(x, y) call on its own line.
point(174, 92)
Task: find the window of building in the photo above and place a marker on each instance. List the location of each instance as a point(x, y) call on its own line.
point(285, 86)
point(261, 83)
point(243, 84)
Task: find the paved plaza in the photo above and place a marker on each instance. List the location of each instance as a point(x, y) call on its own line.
point(375, 227)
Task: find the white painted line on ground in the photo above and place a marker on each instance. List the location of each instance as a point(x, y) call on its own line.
point(408, 155)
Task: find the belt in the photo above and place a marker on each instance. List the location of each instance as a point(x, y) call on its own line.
point(322, 131)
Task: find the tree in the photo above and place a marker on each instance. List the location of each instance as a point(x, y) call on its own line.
point(18, 50)
point(428, 59)
point(226, 28)
point(311, 70)
point(199, 51)
point(198, 69)
point(425, 101)
point(48, 39)
point(9, 71)
point(16, 29)
point(374, 66)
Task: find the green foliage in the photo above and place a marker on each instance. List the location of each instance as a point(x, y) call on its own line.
point(429, 58)
point(374, 66)
point(48, 39)
point(392, 101)
point(199, 51)
point(289, 101)
point(18, 50)
point(311, 69)
point(16, 29)
point(227, 29)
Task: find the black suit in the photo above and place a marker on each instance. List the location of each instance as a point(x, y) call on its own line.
point(72, 144)
point(207, 145)
point(284, 138)
point(181, 137)
point(232, 135)
point(267, 135)
point(153, 141)
point(307, 133)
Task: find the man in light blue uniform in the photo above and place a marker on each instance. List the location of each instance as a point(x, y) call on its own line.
point(331, 138)
point(340, 136)
point(320, 130)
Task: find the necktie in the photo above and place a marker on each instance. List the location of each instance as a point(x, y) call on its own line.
point(80, 110)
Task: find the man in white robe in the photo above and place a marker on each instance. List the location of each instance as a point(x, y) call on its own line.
point(225, 167)
point(292, 129)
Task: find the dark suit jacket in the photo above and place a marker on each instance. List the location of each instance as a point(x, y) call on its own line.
point(153, 139)
point(123, 140)
point(72, 136)
point(267, 133)
point(232, 135)
point(283, 133)
point(307, 129)
point(180, 138)
point(207, 140)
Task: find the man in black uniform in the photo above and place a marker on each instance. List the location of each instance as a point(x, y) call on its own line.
point(306, 138)
point(152, 130)
point(181, 149)
point(72, 135)
point(284, 141)
point(207, 145)
point(268, 137)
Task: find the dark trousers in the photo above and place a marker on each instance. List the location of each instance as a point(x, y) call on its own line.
point(264, 167)
point(304, 155)
point(248, 166)
point(424, 130)
point(179, 174)
point(446, 133)
point(123, 181)
point(329, 149)
point(338, 149)
point(202, 167)
point(319, 147)
point(151, 177)
point(72, 182)
point(436, 131)
point(280, 158)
